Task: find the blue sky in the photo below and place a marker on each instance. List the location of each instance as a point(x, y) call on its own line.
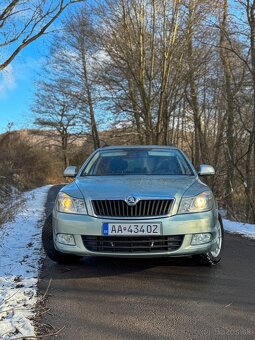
point(17, 87)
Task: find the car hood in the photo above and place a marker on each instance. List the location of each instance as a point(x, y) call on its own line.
point(120, 187)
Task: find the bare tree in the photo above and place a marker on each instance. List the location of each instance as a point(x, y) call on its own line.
point(22, 22)
point(81, 40)
point(73, 55)
point(57, 116)
point(144, 49)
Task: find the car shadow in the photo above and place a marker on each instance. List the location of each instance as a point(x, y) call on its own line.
point(96, 267)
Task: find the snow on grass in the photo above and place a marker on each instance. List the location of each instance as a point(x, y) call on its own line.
point(20, 253)
point(245, 229)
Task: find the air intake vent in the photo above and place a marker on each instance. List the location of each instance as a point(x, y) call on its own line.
point(124, 244)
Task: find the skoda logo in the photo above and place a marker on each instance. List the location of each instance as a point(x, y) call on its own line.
point(131, 200)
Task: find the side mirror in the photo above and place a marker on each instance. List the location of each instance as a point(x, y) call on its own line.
point(71, 171)
point(206, 170)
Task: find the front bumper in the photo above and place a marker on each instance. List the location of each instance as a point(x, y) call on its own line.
point(185, 224)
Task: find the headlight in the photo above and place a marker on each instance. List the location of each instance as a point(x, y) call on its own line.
point(199, 203)
point(68, 204)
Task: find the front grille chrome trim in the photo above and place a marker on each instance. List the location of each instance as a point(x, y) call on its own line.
point(144, 208)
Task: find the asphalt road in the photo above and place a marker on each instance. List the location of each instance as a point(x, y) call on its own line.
point(104, 298)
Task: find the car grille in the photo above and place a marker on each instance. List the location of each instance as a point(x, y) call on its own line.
point(145, 244)
point(143, 208)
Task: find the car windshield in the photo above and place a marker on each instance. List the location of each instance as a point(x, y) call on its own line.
point(137, 162)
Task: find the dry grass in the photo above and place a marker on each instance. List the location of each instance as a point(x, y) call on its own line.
point(10, 201)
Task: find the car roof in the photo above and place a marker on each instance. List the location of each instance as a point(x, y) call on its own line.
point(120, 147)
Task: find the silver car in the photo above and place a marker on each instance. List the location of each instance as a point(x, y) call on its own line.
point(135, 201)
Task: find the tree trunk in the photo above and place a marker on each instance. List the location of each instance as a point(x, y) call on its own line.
point(224, 56)
point(199, 142)
point(64, 142)
point(94, 132)
point(250, 173)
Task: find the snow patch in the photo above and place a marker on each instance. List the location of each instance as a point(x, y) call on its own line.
point(245, 229)
point(20, 253)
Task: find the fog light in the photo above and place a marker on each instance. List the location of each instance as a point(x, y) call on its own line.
point(200, 238)
point(66, 239)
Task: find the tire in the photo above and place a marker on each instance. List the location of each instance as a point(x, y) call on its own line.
point(213, 257)
point(48, 245)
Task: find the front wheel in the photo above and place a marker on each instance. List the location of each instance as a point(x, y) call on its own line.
point(48, 245)
point(214, 256)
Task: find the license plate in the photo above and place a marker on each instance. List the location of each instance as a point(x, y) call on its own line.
point(129, 229)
